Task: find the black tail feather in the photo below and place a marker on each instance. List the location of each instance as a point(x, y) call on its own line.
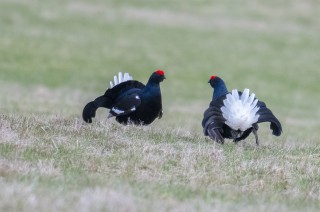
point(212, 114)
point(89, 111)
point(265, 115)
point(215, 134)
point(213, 122)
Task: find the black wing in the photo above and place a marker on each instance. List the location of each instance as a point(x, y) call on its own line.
point(265, 115)
point(126, 105)
point(108, 99)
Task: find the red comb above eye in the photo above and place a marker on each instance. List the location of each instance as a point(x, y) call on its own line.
point(160, 72)
point(212, 77)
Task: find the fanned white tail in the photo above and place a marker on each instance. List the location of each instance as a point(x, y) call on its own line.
point(120, 78)
point(240, 112)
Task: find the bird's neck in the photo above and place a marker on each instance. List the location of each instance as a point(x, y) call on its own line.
point(151, 90)
point(219, 90)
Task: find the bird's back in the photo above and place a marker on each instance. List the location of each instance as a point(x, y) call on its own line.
point(123, 89)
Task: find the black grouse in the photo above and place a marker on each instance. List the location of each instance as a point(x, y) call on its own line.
point(234, 115)
point(130, 101)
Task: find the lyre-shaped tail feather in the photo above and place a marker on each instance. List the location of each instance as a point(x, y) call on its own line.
point(120, 78)
point(213, 121)
point(215, 134)
point(89, 111)
point(213, 113)
point(265, 115)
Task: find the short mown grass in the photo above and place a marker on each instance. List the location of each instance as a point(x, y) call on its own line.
point(58, 55)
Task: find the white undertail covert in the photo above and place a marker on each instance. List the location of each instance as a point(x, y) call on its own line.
point(120, 78)
point(240, 112)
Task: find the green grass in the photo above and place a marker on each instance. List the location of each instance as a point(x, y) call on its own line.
point(58, 55)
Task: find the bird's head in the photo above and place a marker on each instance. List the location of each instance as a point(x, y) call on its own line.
point(214, 80)
point(218, 86)
point(157, 76)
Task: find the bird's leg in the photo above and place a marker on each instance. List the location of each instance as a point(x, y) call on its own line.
point(255, 132)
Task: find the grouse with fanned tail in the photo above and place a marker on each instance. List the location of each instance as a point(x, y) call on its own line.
point(130, 101)
point(234, 115)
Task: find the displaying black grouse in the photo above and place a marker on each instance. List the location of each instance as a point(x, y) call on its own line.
point(129, 100)
point(234, 115)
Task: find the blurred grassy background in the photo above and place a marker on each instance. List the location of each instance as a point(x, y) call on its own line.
point(55, 56)
point(270, 47)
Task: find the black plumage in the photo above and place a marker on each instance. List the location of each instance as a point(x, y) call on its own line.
point(131, 102)
point(218, 124)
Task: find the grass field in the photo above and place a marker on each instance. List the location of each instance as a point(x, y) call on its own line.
point(55, 56)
